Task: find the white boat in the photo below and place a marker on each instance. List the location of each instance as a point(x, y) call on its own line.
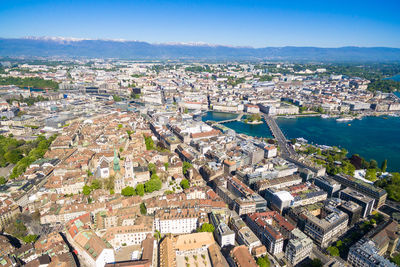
point(344, 119)
point(324, 116)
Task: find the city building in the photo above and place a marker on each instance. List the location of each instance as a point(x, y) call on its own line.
point(323, 227)
point(241, 257)
point(327, 184)
point(298, 248)
point(223, 234)
point(365, 202)
point(178, 221)
point(369, 190)
point(271, 228)
point(365, 254)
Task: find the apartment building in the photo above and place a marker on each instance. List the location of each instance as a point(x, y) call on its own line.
point(365, 254)
point(324, 227)
point(271, 228)
point(223, 234)
point(298, 248)
point(178, 221)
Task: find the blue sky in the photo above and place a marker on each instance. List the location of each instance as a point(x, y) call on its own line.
point(321, 23)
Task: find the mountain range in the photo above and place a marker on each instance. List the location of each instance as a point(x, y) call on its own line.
point(121, 49)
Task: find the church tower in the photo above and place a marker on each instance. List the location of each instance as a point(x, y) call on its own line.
point(128, 167)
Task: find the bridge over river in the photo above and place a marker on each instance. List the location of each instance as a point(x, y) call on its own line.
point(287, 150)
point(238, 118)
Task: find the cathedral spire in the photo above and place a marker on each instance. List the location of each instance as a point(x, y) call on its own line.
point(116, 161)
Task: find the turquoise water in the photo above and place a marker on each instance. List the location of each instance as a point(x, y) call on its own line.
point(396, 77)
point(372, 137)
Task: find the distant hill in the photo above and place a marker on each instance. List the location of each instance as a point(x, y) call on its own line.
point(64, 47)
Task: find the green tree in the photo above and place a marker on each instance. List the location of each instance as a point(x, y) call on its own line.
point(370, 174)
point(166, 164)
point(185, 184)
point(263, 261)
point(86, 190)
point(384, 166)
point(3, 180)
point(333, 251)
point(30, 238)
point(143, 209)
point(206, 227)
point(13, 156)
point(149, 142)
point(153, 184)
point(396, 259)
point(116, 98)
point(186, 166)
point(128, 191)
point(96, 184)
point(140, 190)
point(152, 168)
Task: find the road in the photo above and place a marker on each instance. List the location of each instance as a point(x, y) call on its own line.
point(317, 253)
point(286, 150)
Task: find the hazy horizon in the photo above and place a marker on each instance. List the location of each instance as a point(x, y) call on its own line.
point(76, 39)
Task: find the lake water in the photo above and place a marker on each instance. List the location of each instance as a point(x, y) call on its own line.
point(372, 137)
point(396, 77)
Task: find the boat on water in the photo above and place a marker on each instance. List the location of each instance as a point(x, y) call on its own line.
point(290, 117)
point(324, 116)
point(344, 119)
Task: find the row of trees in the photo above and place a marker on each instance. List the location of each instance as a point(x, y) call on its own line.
point(154, 184)
point(206, 68)
point(29, 82)
point(28, 100)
